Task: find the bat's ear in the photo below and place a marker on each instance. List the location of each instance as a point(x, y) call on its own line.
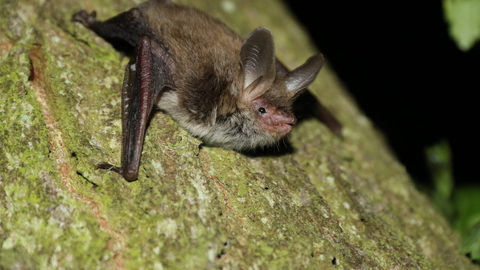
point(258, 61)
point(304, 75)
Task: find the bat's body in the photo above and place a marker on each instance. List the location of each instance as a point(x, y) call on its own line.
point(227, 91)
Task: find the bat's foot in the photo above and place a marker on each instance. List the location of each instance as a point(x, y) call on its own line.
point(108, 166)
point(128, 174)
point(85, 18)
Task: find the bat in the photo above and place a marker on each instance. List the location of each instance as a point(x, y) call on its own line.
point(227, 91)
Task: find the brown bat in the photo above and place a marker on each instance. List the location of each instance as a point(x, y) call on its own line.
point(224, 90)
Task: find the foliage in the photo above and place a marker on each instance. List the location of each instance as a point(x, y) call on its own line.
point(460, 205)
point(464, 21)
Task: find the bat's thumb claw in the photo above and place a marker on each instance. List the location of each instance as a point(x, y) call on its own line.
point(108, 166)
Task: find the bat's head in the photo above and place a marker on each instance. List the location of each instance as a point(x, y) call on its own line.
point(267, 94)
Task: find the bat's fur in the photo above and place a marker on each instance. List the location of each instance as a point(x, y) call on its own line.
point(226, 91)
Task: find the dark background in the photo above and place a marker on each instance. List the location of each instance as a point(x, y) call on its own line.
point(406, 73)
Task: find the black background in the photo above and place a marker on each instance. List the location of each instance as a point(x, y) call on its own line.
point(406, 73)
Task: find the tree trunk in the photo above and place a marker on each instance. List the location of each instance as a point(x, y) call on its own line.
point(335, 202)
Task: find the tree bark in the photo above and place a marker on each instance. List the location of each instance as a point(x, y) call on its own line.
point(335, 202)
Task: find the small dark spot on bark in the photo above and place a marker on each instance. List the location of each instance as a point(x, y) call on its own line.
point(222, 252)
point(86, 179)
point(32, 71)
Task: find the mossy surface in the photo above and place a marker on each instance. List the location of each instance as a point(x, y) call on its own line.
point(335, 202)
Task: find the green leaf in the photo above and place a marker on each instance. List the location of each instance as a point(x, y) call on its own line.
point(440, 167)
point(464, 20)
point(467, 208)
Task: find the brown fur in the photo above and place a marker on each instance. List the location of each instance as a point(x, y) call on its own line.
point(208, 75)
point(228, 92)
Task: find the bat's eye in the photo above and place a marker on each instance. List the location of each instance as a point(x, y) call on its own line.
point(262, 110)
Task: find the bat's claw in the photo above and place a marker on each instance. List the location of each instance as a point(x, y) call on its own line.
point(128, 174)
point(108, 166)
point(85, 18)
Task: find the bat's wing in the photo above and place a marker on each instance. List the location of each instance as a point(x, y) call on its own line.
point(316, 109)
point(122, 31)
point(147, 76)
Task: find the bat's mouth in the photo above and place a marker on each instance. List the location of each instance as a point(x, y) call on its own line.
point(281, 128)
point(285, 128)
point(287, 124)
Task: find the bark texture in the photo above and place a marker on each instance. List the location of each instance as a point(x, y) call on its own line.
point(334, 202)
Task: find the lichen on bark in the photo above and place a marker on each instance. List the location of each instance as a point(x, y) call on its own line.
point(340, 202)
